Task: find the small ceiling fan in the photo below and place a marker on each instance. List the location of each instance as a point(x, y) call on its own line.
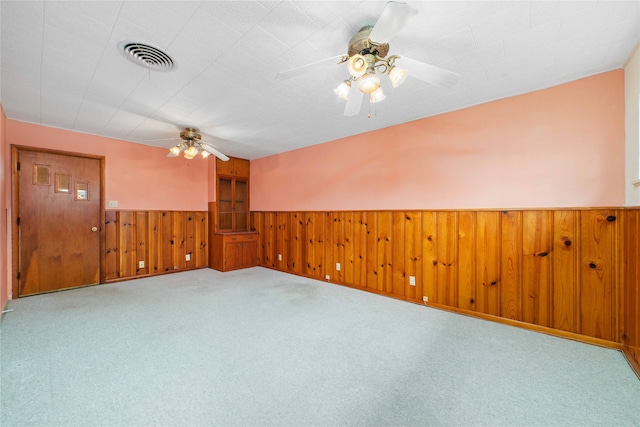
point(192, 145)
point(367, 57)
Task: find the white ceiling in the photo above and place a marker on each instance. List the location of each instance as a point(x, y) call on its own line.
point(61, 66)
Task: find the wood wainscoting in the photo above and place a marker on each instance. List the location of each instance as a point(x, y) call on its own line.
point(555, 270)
point(631, 271)
point(160, 239)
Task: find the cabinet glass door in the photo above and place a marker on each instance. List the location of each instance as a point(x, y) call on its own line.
point(225, 204)
point(241, 207)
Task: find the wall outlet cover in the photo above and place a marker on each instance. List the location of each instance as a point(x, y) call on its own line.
point(140, 264)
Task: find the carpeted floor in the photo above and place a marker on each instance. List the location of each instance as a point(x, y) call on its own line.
point(258, 347)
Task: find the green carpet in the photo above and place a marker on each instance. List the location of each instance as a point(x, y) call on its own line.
point(258, 347)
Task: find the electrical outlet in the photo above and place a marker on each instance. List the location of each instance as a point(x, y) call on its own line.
point(188, 257)
point(412, 280)
point(113, 203)
point(140, 264)
point(425, 299)
point(337, 266)
point(327, 277)
point(279, 257)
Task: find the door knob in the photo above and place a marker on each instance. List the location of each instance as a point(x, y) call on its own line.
point(94, 228)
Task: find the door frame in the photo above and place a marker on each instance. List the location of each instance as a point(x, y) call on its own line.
point(15, 210)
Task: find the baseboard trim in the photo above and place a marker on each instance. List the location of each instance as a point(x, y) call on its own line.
point(537, 328)
point(635, 366)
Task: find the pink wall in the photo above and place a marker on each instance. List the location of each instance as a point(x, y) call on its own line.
point(558, 147)
point(5, 243)
point(139, 177)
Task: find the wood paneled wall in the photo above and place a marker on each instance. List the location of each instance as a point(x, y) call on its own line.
point(631, 337)
point(162, 239)
point(552, 268)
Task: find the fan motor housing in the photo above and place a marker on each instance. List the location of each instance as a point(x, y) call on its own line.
point(361, 44)
point(190, 134)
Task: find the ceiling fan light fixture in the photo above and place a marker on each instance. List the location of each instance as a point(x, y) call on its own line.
point(369, 83)
point(377, 96)
point(190, 152)
point(357, 65)
point(205, 154)
point(174, 151)
point(343, 89)
point(397, 75)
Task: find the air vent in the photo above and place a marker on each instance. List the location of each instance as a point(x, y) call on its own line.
point(147, 56)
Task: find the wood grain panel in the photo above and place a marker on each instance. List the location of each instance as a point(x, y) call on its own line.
point(447, 242)
point(257, 224)
point(167, 241)
point(413, 254)
point(270, 232)
point(317, 248)
point(565, 270)
point(348, 227)
point(360, 249)
point(111, 246)
point(467, 257)
point(511, 265)
point(373, 270)
point(536, 267)
point(161, 239)
point(398, 241)
point(281, 255)
point(488, 262)
point(155, 244)
point(329, 267)
point(126, 244)
point(296, 243)
point(631, 271)
point(385, 252)
point(201, 221)
point(337, 219)
point(141, 239)
point(179, 240)
point(310, 244)
point(429, 255)
point(189, 240)
point(597, 231)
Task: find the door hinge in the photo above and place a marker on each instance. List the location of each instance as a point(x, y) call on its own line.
point(18, 166)
point(18, 276)
point(18, 220)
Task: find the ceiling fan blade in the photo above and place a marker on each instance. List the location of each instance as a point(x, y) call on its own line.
point(298, 71)
point(393, 18)
point(354, 102)
point(213, 151)
point(429, 73)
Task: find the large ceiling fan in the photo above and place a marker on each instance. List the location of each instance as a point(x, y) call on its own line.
point(192, 145)
point(367, 58)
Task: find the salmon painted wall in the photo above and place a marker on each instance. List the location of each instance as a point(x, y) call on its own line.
point(139, 177)
point(559, 147)
point(5, 281)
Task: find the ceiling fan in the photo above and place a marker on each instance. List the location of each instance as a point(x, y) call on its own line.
point(192, 145)
point(367, 57)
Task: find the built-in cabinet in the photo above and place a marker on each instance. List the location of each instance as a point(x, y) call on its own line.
point(233, 244)
point(235, 250)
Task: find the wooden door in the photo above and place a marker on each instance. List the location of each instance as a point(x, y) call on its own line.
point(58, 221)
